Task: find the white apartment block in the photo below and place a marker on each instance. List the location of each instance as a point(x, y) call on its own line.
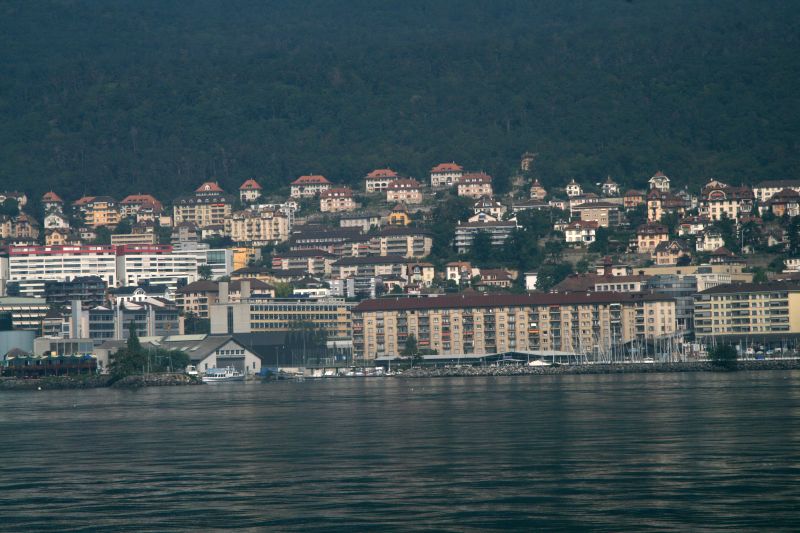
point(31, 266)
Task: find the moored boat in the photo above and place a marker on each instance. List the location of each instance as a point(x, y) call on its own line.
point(222, 375)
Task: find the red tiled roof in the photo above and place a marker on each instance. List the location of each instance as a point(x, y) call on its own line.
point(84, 200)
point(250, 184)
point(406, 183)
point(583, 224)
point(50, 196)
point(140, 199)
point(310, 180)
point(476, 177)
point(209, 186)
point(341, 192)
point(447, 167)
point(382, 173)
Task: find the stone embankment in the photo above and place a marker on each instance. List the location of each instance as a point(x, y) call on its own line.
point(95, 382)
point(618, 368)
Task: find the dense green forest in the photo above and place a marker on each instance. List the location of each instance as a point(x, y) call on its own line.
point(157, 95)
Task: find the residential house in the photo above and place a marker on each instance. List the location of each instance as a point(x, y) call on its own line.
point(379, 179)
point(408, 191)
point(460, 272)
point(133, 203)
point(421, 273)
point(785, 202)
point(51, 202)
point(249, 191)
point(633, 199)
point(475, 185)
point(693, 225)
point(650, 235)
point(659, 181)
point(604, 213)
point(495, 278)
point(660, 203)
point(336, 200)
point(399, 216)
point(487, 204)
point(581, 232)
point(309, 186)
point(363, 221)
point(610, 187)
point(446, 175)
point(709, 240)
point(574, 189)
point(538, 192)
point(765, 190)
point(669, 252)
point(257, 226)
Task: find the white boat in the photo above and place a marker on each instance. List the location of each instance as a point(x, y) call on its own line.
point(221, 375)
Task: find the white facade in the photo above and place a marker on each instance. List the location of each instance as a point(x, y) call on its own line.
point(166, 268)
point(31, 266)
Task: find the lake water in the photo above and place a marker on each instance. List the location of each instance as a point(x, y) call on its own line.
point(666, 451)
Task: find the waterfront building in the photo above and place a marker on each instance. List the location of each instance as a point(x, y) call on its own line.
point(483, 324)
point(767, 312)
point(26, 313)
point(196, 298)
point(32, 266)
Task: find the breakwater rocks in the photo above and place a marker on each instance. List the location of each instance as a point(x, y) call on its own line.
point(602, 368)
point(55, 383)
point(155, 380)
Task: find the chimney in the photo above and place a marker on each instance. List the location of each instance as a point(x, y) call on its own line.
point(75, 326)
point(245, 290)
point(223, 292)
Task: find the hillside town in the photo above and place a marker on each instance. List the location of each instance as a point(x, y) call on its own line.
point(322, 275)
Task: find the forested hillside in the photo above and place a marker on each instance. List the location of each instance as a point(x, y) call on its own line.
point(157, 95)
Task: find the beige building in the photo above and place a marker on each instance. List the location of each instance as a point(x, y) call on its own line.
point(604, 213)
point(766, 311)
point(649, 236)
point(471, 324)
point(134, 238)
point(208, 206)
point(379, 179)
point(309, 186)
point(475, 185)
point(257, 227)
point(336, 200)
point(764, 190)
point(255, 314)
point(197, 297)
point(101, 211)
point(707, 275)
point(446, 174)
point(407, 191)
point(721, 200)
point(405, 241)
point(538, 192)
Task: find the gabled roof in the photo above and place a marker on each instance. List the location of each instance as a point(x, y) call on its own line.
point(447, 167)
point(340, 192)
point(209, 186)
point(651, 229)
point(404, 184)
point(250, 185)
point(314, 179)
point(583, 224)
point(476, 177)
point(659, 176)
point(774, 184)
point(52, 197)
point(83, 200)
point(382, 173)
point(664, 246)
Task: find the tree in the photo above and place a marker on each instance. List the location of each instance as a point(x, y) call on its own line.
point(582, 266)
point(283, 289)
point(723, 356)
point(554, 250)
point(204, 271)
point(123, 227)
point(103, 235)
point(776, 265)
point(600, 244)
point(760, 275)
point(9, 207)
point(550, 275)
point(480, 249)
point(684, 260)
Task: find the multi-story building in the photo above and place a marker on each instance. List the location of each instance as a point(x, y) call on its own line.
point(208, 206)
point(132, 204)
point(538, 192)
point(258, 227)
point(659, 181)
point(26, 313)
point(253, 314)
point(446, 175)
point(249, 191)
point(408, 191)
point(405, 241)
point(32, 266)
point(660, 203)
point(101, 211)
point(721, 200)
point(315, 262)
point(610, 187)
point(785, 202)
point(498, 233)
point(671, 252)
point(579, 323)
point(156, 264)
point(766, 189)
point(648, 236)
point(90, 290)
point(766, 312)
point(581, 231)
point(196, 298)
point(606, 214)
point(363, 221)
point(151, 319)
point(487, 204)
point(337, 200)
point(475, 185)
point(122, 239)
point(379, 179)
point(573, 189)
point(51, 202)
point(373, 266)
point(633, 199)
point(309, 186)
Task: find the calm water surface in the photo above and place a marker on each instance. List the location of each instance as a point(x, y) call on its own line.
point(667, 451)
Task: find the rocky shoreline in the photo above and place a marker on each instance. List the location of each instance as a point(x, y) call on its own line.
point(594, 369)
point(97, 382)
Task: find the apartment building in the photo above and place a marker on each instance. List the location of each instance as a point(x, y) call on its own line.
point(156, 264)
point(405, 241)
point(309, 186)
point(446, 174)
point(379, 179)
point(407, 191)
point(721, 200)
point(741, 311)
point(485, 324)
point(498, 233)
point(337, 200)
point(133, 203)
point(372, 266)
point(101, 211)
point(606, 214)
point(475, 185)
point(258, 227)
point(31, 266)
point(208, 206)
point(315, 262)
point(26, 313)
point(196, 298)
point(253, 314)
point(764, 190)
point(649, 236)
